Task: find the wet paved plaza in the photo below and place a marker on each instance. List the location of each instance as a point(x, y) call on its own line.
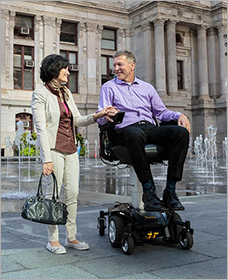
point(95, 176)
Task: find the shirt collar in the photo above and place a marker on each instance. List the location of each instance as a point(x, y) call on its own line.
point(136, 81)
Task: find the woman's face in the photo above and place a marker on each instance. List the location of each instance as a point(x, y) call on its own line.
point(63, 75)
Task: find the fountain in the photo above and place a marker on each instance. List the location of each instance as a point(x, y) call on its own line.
point(8, 155)
point(204, 172)
point(30, 142)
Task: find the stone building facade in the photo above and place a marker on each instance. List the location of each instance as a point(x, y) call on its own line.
point(179, 47)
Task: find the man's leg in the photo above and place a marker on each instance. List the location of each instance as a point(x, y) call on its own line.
point(134, 137)
point(176, 139)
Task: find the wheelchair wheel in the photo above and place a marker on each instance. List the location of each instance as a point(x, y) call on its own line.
point(186, 240)
point(128, 245)
point(115, 231)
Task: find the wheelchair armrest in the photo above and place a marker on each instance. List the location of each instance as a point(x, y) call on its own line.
point(117, 119)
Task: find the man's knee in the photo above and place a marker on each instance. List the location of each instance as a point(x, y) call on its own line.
point(184, 133)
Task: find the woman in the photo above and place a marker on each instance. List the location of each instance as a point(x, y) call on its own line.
point(56, 115)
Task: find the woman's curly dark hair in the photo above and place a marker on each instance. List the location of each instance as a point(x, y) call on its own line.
point(51, 66)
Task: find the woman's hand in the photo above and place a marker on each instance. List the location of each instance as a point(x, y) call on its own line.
point(183, 121)
point(108, 112)
point(48, 168)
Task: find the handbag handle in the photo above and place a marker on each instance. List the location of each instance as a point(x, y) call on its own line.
point(55, 195)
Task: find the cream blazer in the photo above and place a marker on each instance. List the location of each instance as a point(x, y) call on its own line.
point(46, 113)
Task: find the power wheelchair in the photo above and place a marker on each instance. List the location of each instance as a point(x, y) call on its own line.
point(128, 223)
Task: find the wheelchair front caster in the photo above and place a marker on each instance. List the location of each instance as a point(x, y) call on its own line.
point(186, 240)
point(128, 245)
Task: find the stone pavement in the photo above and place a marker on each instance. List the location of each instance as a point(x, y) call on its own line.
point(24, 254)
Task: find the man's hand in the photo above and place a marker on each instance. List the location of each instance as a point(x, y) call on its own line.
point(184, 121)
point(48, 168)
point(111, 112)
point(108, 111)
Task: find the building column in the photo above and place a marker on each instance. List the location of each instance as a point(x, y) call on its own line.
point(82, 53)
point(99, 31)
point(194, 66)
point(213, 65)
point(160, 76)
point(222, 30)
point(147, 38)
point(10, 42)
point(129, 33)
point(171, 57)
point(49, 34)
point(38, 48)
point(120, 39)
point(58, 32)
point(202, 62)
point(91, 38)
point(5, 47)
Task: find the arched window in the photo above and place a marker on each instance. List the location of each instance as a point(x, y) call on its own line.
point(179, 39)
point(26, 118)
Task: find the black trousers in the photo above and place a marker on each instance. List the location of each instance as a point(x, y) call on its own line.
point(136, 136)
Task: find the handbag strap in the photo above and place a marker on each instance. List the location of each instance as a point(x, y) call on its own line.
point(55, 195)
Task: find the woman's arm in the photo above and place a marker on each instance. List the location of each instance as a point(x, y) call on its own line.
point(38, 109)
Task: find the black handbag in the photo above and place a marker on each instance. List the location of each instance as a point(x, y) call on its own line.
point(42, 210)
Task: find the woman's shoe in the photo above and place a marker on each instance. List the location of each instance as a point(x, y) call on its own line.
point(79, 246)
point(56, 250)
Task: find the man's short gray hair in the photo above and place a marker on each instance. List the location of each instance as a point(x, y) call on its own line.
point(129, 55)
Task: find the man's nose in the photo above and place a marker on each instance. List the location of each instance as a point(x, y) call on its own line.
point(115, 68)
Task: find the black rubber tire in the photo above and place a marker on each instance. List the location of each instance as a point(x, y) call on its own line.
point(115, 231)
point(128, 246)
point(186, 240)
point(174, 229)
point(102, 228)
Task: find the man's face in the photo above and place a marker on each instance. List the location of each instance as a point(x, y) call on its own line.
point(124, 69)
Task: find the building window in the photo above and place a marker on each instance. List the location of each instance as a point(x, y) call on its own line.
point(23, 67)
point(108, 39)
point(106, 68)
point(180, 77)
point(26, 118)
point(24, 26)
point(73, 69)
point(68, 32)
point(179, 39)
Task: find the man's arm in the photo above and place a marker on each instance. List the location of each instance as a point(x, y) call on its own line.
point(162, 113)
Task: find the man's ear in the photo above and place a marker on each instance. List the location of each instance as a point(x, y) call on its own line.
point(133, 66)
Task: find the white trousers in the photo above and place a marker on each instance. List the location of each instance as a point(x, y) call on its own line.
point(67, 172)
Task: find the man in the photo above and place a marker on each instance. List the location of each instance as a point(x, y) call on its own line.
point(140, 102)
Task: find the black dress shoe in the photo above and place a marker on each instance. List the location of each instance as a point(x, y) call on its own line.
point(171, 200)
point(152, 202)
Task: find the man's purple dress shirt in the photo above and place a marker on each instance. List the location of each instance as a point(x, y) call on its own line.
point(140, 102)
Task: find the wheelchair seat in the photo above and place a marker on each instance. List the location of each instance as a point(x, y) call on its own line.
point(117, 153)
